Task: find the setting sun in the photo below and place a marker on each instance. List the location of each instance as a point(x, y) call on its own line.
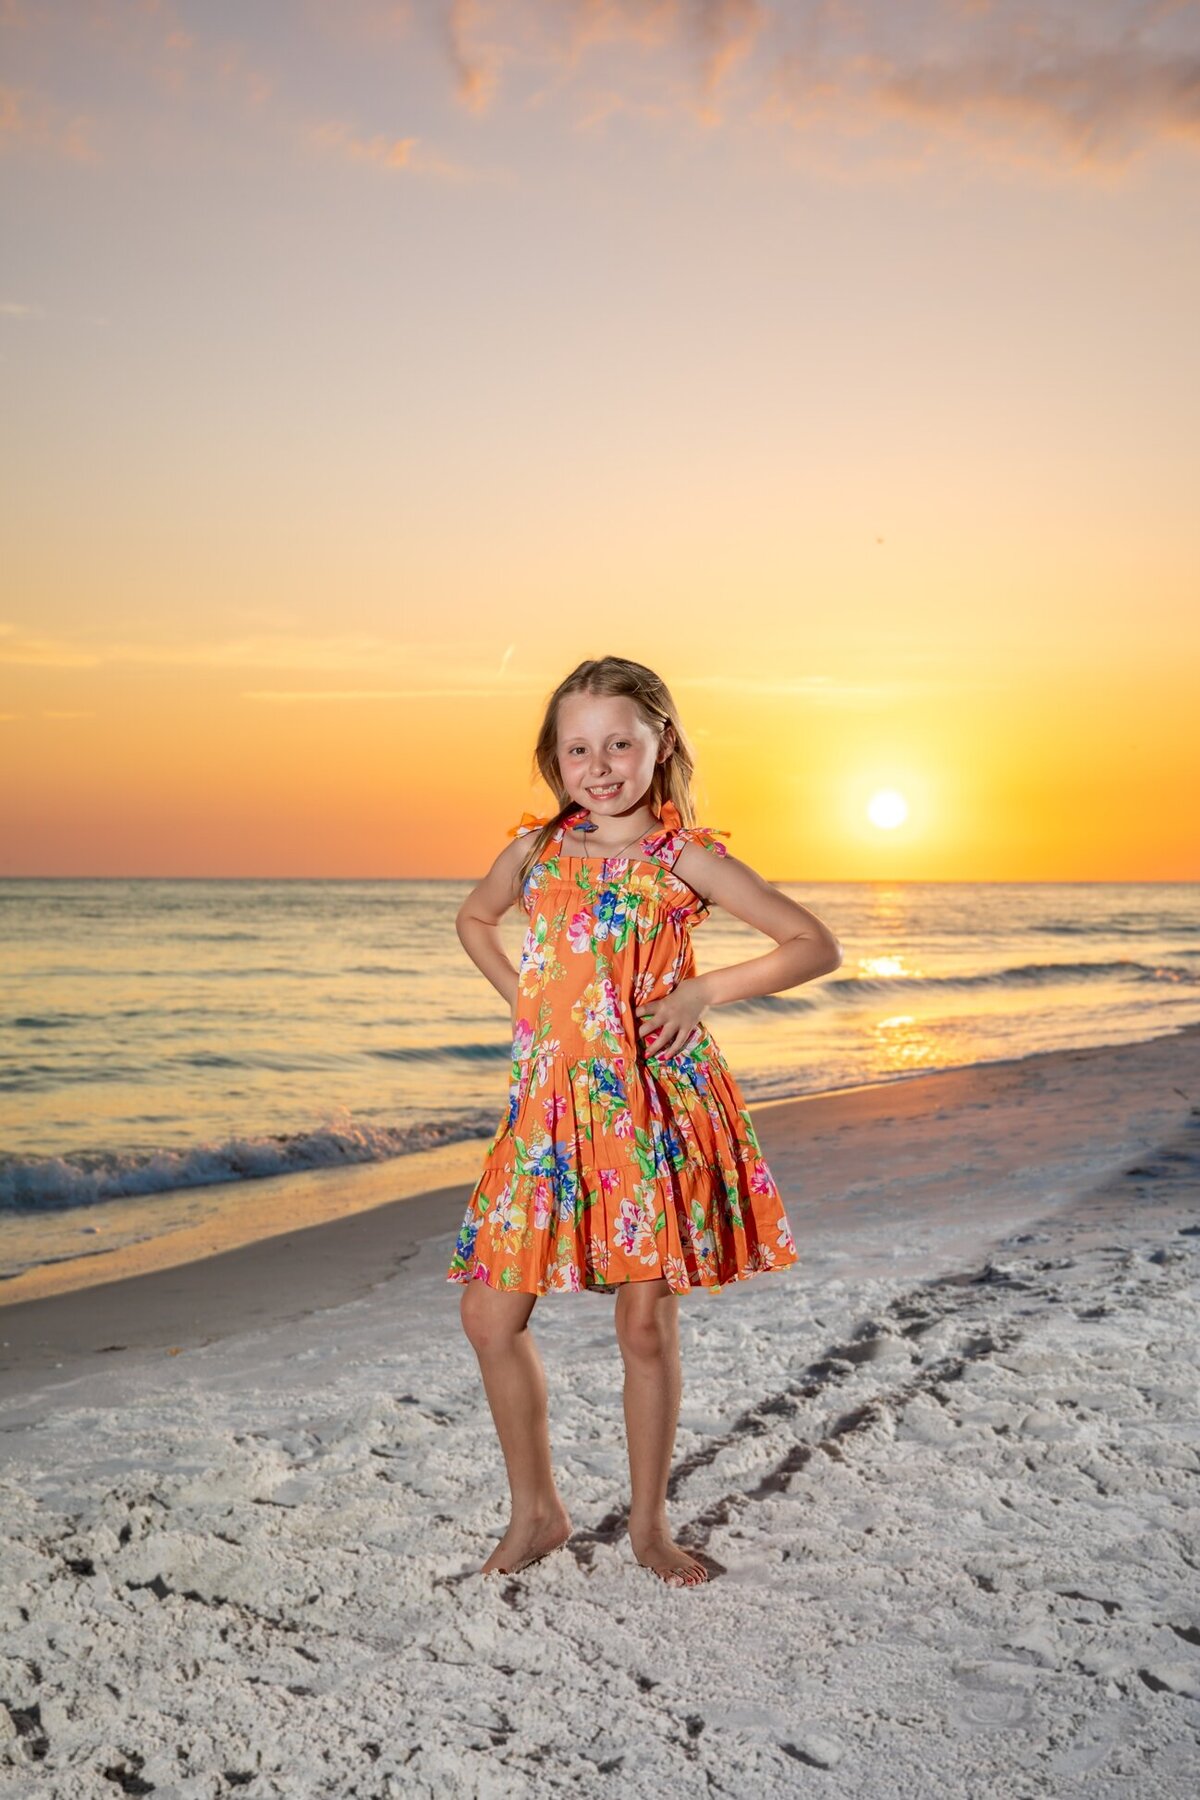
point(887, 809)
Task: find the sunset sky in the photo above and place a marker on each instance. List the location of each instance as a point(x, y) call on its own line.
point(366, 366)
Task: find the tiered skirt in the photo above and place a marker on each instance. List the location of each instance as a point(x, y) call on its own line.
point(621, 1168)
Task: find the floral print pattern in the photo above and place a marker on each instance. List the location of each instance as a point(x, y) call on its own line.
point(613, 1164)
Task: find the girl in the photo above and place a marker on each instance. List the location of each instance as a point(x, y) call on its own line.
point(627, 1158)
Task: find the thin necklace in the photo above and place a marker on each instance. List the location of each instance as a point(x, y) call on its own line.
point(611, 855)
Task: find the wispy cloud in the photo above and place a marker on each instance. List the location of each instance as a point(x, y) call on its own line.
point(476, 62)
point(155, 40)
point(419, 671)
point(21, 309)
point(7, 718)
point(282, 651)
point(463, 691)
point(1037, 97)
point(486, 39)
point(19, 649)
point(842, 84)
point(147, 40)
point(387, 152)
point(348, 654)
point(31, 121)
point(819, 690)
point(189, 72)
point(1051, 83)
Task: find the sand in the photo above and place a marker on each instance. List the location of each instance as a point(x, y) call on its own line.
point(944, 1475)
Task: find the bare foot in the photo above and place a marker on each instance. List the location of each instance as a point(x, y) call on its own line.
point(527, 1539)
point(658, 1550)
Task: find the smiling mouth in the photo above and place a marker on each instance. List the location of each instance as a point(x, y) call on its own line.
point(606, 793)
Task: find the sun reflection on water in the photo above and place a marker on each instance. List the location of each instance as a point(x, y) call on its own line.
point(885, 965)
point(902, 1042)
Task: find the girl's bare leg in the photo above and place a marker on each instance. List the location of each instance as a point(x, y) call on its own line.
point(648, 1333)
point(515, 1383)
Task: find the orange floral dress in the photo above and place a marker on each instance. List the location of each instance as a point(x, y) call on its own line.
point(612, 1164)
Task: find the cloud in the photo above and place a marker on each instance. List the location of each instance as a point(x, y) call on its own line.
point(155, 41)
point(349, 654)
point(419, 670)
point(1050, 82)
point(20, 309)
point(485, 38)
point(155, 76)
point(464, 691)
point(17, 650)
point(819, 690)
point(284, 651)
point(30, 121)
point(1039, 97)
point(726, 30)
point(846, 85)
point(1101, 106)
point(475, 65)
point(386, 152)
point(113, 39)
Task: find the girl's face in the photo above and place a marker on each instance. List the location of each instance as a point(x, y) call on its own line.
point(607, 752)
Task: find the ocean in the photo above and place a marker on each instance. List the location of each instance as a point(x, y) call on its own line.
point(163, 1037)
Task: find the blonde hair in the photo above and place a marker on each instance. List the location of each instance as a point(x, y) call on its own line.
point(616, 675)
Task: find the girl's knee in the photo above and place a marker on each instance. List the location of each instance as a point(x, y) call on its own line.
point(490, 1319)
point(646, 1331)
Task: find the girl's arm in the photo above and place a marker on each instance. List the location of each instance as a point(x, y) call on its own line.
point(480, 914)
point(806, 948)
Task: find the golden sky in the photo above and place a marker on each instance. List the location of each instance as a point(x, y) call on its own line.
point(367, 366)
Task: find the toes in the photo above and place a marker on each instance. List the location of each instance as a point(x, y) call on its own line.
point(683, 1575)
point(674, 1565)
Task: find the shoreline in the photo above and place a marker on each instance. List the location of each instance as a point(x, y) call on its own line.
point(875, 1162)
point(323, 1196)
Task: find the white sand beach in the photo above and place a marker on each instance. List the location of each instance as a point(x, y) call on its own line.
point(944, 1474)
